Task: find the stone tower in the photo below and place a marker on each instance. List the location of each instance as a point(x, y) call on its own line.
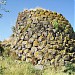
point(43, 37)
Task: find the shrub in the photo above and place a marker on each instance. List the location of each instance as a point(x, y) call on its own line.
point(70, 69)
point(1, 51)
point(6, 51)
point(13, 29)
point(55, 24)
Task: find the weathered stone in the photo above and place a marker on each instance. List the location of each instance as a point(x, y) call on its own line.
point(38, 55)
point(51, 38)
point(20, 47)
point(30, 33)
point(47, 46)
point(39, 34)
point(23, 46)
point(44, 50)
point(58, 57)
point(73, 60)
point(52, 61)
point(28, 45)
point(71, 49)
point(52, 51)
point(39, 62)
point(34, 36)
point(29, 21)
point(23, 57)
point(22, 37)
point(46, 55)
point(24, 42)
point(40, 38)
point(28, 59)
point(20, 51)
point(39, 67)
point(54, 30)
point(61, 62)
point(48, 37)
point(44, 34)
point(31, 40)
point(35, 43)
point(34, 49)
point(26, 51)
point(43, 43)
point(35, 21)
point(26, 37)
point(66, 57)
point(29, 55)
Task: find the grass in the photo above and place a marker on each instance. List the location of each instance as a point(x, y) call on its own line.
point(10, 66)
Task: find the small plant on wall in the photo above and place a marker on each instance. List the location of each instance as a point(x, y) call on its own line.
point(70, 69)
point(55, 25)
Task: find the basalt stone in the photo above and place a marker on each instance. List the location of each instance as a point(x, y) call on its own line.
point(43, 37)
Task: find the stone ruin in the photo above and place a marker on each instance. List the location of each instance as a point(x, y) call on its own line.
point(43, 37)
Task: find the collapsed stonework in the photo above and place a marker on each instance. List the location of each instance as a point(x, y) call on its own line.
point(43, 37)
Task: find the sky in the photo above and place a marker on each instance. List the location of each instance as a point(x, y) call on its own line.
point(65, 7)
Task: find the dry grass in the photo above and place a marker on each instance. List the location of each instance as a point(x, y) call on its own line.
point(9, 66)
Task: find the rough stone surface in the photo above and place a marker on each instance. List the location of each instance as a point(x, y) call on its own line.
point(44, 37)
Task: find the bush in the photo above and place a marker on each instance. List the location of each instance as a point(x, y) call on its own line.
point(1, 51)
point(6, 51)
point(70, 69)
point(56, 25)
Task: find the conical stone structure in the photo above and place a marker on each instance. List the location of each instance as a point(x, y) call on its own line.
point(43, 37)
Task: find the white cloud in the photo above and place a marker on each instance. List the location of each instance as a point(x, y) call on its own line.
point(34, 9)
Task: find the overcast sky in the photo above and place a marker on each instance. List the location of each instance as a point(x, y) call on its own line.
point(65, 7)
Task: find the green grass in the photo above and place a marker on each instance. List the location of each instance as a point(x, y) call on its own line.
point(14, 67)
point(9, 66)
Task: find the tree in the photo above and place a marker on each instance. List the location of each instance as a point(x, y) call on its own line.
point(3, 2)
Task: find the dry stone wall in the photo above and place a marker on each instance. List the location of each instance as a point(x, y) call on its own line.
point(43, 37)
